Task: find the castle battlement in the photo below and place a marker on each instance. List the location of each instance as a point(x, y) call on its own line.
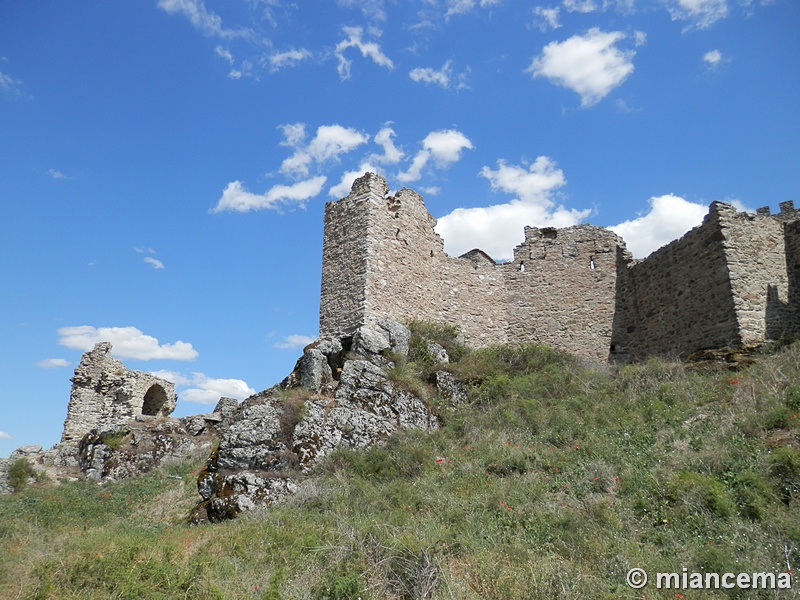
point(731, 280)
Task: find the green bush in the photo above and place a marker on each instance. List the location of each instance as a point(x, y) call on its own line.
point(20, 474)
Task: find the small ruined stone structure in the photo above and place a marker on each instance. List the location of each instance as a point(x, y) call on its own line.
point(730, 281)
point(105, 395)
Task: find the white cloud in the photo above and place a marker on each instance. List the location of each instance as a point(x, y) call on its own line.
point(712, 58)
point(154, 262)
point(4, 436)
point(289, 58)
point(700, 13)
point(581, 6)
point(207, 390)
point(56, 174)
point(173, 376)
point(127, 342)
point(590, 65)
point(391, 154)
point(497, 229)
point(144, 250)
point(293, 342)
point(329, 142)
point(429, 75)
point(639, 38)
point(548, 17)
point(371, 9)
point(238, 199)
point(9, 87)
point(368, 50)
point(52, 363)
point(201, 18)
point(224, 53)
point(443, 77)
point(444, 147)
point(341, 189)
point(669, 218)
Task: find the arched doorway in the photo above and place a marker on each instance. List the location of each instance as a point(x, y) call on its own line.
point(154, 400)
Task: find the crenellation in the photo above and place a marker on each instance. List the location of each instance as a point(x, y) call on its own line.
point(732, 280)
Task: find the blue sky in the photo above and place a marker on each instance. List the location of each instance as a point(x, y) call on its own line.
point(164, 164)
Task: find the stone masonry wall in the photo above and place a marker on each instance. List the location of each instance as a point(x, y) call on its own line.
point(732, 280)
point(411, 277)
point(755, 248)
point(561, 289)
point(679, 299)
point(105, 395)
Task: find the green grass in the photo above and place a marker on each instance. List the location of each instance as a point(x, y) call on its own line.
point(551, 483)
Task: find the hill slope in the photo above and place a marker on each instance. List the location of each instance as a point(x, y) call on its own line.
point(552, 482)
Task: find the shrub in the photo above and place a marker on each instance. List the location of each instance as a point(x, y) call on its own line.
point(21, 474)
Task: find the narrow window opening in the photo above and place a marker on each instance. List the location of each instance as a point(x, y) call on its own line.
point(522, 266)
point(591, 263)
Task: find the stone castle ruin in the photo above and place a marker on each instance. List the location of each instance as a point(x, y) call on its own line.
point(105, 395)
point(731, 281)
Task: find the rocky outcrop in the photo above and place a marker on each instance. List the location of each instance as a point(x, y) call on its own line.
point(335, 398)
point(105, 395)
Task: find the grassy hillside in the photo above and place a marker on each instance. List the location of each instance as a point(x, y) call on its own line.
point(553, 482)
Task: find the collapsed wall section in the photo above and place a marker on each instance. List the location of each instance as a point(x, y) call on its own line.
point(562, 289)
point(105, 395)
point(679, 299)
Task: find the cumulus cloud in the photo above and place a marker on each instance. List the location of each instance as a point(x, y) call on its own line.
point(293, 342)
point(669, 218)
point(289, 58)
point(391, 153)
point(200, 17)
point(700, 14)
point(173, 376)
point(127, 342)
point(590, 65)
point(206, 390)
point(4, 436)
point(202, 389)
point(329, 142)
point(236, 198)
point(52, 363)
point(497, 229)
point(341, 189)
point(154, 262)
point(443, 147)
point(371, 50)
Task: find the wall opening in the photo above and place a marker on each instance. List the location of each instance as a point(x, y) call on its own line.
point(154, 400)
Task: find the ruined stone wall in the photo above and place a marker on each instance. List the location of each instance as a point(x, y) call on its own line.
point(382, 258)
point(344, 259)
point(411, 277)
point(755, 249)
point(679, 299)
point(734, 279)
point(562, 289)
point(105, 395)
